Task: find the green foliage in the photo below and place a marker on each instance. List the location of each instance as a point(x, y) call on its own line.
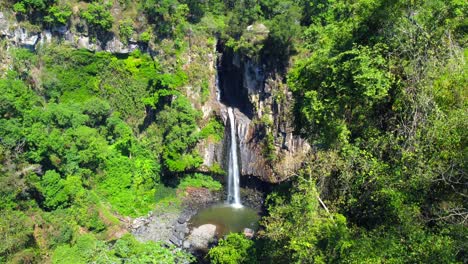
point(98, 16)
point(15, 98)
point(178, 122)
point(19, 7)
point(379, 91)
point(58, 14)
point(83, 251)
point(79, 75)
point(371, 98)
point(126, 30)
point(269, 147)
point(336, 95)
point(243, 14)
point(168, 17)
point(213, 130)
point(127, 249)
point(29, 6)
point(98, 111)
point(284, 27)
point(16, 230)
point(199, 180)
point(381, 247)
point(127, 186)
point(268, 144)
point(146, 36)
point(233, 249)
point(52, 187)
point(150, 252)
point(165, 193)
point(307, 233)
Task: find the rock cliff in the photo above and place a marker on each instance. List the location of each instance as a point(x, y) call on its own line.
point(268, 149)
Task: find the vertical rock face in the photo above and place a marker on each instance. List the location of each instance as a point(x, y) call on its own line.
point(267, 147)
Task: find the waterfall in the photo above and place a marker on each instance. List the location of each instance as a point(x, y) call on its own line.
point(233, 171)
point(218, 92)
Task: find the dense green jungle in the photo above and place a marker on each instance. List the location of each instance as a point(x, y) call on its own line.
point(112, 113)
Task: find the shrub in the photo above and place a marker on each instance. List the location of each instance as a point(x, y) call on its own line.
point(52, 187)
point(126, 30)
point(213, 130)
point(233, 249)
point(146, 36)
point(98, 16)
point(58, 14)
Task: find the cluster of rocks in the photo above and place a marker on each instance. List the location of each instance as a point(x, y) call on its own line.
point(154, 227)
point(181, 230)
point(173, 228)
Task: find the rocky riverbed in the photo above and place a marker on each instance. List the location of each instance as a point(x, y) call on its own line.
point(170, 223)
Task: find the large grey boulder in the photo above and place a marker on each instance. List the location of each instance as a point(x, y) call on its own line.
point(202, 236)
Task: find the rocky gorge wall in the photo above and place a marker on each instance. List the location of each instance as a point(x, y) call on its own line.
point(268, 149)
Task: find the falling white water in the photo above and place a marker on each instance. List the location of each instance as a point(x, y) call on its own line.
point(218, 92)
point(233, 171)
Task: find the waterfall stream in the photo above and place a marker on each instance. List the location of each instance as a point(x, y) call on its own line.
point(233, 170)
point(218, 92)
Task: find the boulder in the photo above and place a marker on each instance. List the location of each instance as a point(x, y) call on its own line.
point(258, 28)
point(83, 42)
point(182, 228)
point(186, 244)
point(116, 46)
point(201, 237)
point(138, 223)
point(175, 240)
point(249, 233)
point(183, 218)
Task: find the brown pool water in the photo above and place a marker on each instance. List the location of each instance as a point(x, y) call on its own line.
point(226, 218)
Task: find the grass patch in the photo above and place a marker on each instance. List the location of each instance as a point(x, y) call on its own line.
point(199, 180)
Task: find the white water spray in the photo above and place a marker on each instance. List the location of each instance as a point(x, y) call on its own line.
point(233, 171)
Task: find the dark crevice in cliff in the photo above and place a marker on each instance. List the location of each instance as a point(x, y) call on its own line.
point(230, 74)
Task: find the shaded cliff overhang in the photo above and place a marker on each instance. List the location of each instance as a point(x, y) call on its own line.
point(231, 81)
